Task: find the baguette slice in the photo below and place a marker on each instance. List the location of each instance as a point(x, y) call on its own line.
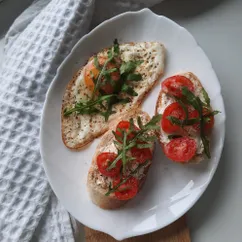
point(98, 184)
point(79, 130)
point(164, 100)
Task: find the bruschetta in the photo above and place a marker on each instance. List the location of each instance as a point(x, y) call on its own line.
point(187, 118)
point(122, 159)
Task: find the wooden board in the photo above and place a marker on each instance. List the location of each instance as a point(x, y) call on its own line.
point(176, 232)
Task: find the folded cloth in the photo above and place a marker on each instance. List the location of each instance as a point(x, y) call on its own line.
point(36, 44)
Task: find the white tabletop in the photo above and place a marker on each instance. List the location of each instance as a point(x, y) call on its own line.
point(217, 26)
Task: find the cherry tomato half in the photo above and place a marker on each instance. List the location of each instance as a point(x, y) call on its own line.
point(124, 125)
point(103, 162)
point(127, 190)
point(181, 149)
point(173, 85)
point(141, 155)
point(175, 110)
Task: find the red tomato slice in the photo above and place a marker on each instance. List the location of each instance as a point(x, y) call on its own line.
point(127, 190)
point(173, 85)
point(175, 110)
point(103, 162)
point(141, 155)
point(124, 125)
point(181, 149)
point(209, 121)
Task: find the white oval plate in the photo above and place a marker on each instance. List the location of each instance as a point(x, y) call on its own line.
point(171, 189)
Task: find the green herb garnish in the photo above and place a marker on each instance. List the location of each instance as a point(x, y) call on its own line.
point(129, 90)
point(206, 97)
point(89, 107)
point(139, 137)
point(197, 104)
point(184, 122)
point(114, 189)
point(128, 67)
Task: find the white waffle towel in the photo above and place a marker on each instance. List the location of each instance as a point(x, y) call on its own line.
point(35, 46)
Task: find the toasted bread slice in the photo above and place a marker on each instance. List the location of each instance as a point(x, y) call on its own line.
point(79, 130)
point(164, 100)
point(97, 183)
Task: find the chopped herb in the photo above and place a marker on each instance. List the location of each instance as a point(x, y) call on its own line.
point(134, 77)
point(129, 90)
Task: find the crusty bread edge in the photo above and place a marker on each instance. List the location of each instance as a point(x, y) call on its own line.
point(97, 197)
point(140, 100)
point(199, 157)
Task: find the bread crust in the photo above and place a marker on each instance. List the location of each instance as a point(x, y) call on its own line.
point(68, 99)
point(198, 157)
point(97, 194)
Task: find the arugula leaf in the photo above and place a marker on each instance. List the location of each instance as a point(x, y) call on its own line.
point(129, 90)
point(134, 77)
point(213, 113)
point(129, 66)
point(140, 122)
point(155, 119)
point(192, 99)
point(206, 97)
point(116, 143)
point(114, 189)
point(110, 54)
point(124, 151)
point(181, 123)
point(109, 71)
point(88, 107)
point(96, 63)
point(197, 104)
point(206, 145)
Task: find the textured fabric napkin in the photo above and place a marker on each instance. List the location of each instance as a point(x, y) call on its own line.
point(35, 45)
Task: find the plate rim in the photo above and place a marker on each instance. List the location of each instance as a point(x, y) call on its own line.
point(58, 72)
